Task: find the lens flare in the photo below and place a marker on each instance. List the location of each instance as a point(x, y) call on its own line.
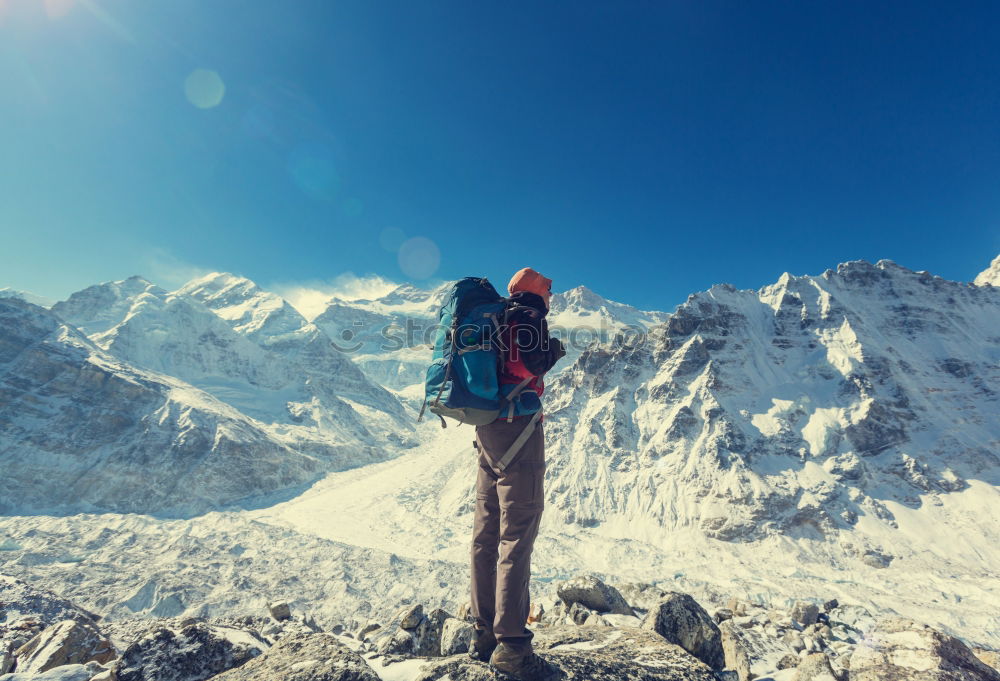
point(391, 239)
point(56, 9)
point(419, 257)
point(204, 88)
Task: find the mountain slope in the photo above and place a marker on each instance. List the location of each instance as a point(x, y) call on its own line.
point(82, 429)
point(266, 361)
point(801, 408)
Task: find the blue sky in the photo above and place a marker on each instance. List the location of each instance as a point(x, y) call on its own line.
point(645, 149)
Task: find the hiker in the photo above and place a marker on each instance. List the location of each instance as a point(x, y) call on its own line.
point(509, 499)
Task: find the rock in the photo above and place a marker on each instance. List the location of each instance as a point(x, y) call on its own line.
point(727, 675)
point(789, 661)
point(641, 596)
point(990, 657)
point(428, 633)
point(68, 642)
point(304, 657)
point(6, 662)
point(738, 607)
point(748, 649)
point(722, 614)
point(595, 620)
point(579, 613)
point(794, 641)
point(679, 619)
point(106, 675)
point(422, 639)
point(831, 604)
point(804, 613)
point(593, 594)
point(367, 629)
point(410, 617)
point(395, 641)
point(465, 612)
point(46, 609)
point(589, 654)
point(280, 611)
point(456, 635)
point(897, 648)
point(194, 653)
point(70, 672)
point(815, 667)
point(622, 620)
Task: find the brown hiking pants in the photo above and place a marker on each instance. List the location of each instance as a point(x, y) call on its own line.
point(508, 510)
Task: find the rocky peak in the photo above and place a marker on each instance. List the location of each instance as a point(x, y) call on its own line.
point(97, 308)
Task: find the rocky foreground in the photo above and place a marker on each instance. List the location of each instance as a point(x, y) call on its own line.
point(593, 632)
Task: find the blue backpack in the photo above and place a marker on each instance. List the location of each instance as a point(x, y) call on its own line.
point(463, 378)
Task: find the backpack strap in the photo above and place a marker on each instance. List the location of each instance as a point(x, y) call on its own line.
point(516, 446)
point(508, 402)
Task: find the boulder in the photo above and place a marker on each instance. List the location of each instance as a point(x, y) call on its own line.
point(815, 667)
point(593, 594)
point(751, 652)
point(6, 661)
point(368, 629)
point(195, 653)
point(304, 657)
point(641, 595)
point(831, 604)
point(68, 642)
point(411, 616)
point(579, 613)
point(45, 609)
point(897, 648)
point(722, 614)
point(595, 620)
point(804, 613)
point(280, 611)
point(679, 619)
point(428, 633)
point(588, 654)
point(789, 661)
point(456, 636)
point(407, 638)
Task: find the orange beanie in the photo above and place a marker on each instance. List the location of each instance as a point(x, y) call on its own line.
point(531, 281)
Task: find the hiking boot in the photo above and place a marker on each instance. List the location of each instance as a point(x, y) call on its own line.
point(482, 645)
point(519, 660)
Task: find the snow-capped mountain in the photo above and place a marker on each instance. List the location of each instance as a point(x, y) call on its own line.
point(579, 316)
point(835, 434)
point(41, 301)
point(991, 275)
point(79, 428)
point(804, 408)
point(389, 336)
point(251, 350)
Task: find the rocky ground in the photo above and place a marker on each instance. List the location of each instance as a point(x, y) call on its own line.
point(590, 631)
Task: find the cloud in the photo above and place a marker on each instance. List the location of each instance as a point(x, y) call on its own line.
point(311, 298)
point(164, 269)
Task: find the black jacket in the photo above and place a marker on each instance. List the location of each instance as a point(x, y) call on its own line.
point(536, 348)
